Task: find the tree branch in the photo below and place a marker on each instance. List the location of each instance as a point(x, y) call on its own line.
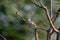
point(50, 30)
point(50, 21)
point(39, 5)
point(3, 37)
point(22, 17)
point(55, 16)
point(47, 14)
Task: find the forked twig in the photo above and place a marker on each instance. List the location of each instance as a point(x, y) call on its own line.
point(55, 16)
point(51, 20)
point(39, 5)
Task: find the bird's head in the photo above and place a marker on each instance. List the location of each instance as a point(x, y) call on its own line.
point(31, 21)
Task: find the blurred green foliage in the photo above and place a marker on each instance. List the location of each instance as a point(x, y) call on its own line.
point(13, 27)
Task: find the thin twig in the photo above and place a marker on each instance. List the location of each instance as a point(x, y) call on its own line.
point(43, 23)
point(40, 28)
point(55, 16)
point(38, 5)
point(3, 37)
point(22, 17)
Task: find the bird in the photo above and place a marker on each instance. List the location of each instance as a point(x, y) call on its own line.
point(31, 21)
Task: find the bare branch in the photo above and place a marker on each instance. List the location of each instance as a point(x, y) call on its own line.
point(40, 28)
point(50, 21)
point(22, 17)
point(47, 14)
point(55, 16)
point(41, 4)
point(3, 37)
point(49, 34)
